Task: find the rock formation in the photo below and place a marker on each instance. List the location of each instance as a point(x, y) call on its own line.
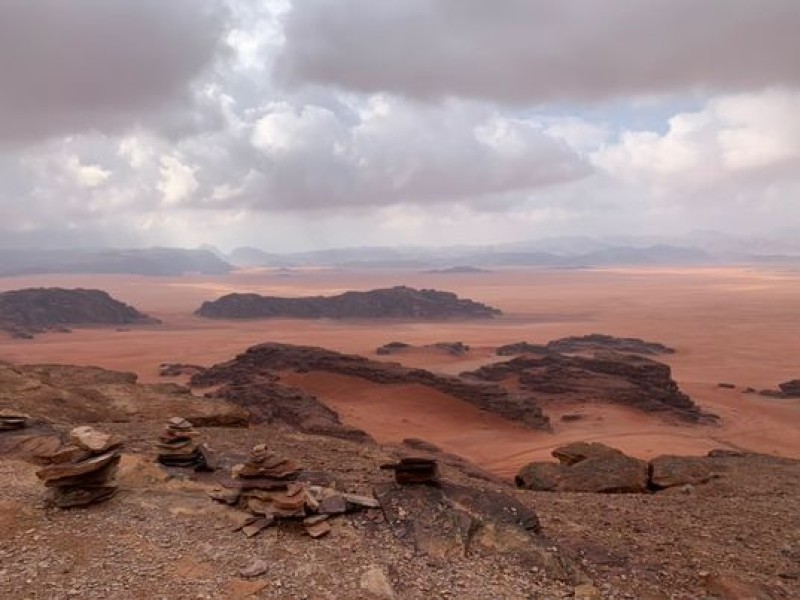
point(251, 380)
point(588, 343)
point(26, 312)
point(594, 467)
point(451, 348)
point(82, 472)
point(179, 446)
point(612, 377)
point(393, 303)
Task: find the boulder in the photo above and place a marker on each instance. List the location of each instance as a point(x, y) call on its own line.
point(586, 467)
point(670, 471)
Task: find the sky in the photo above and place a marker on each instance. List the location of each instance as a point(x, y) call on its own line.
point(307, 124)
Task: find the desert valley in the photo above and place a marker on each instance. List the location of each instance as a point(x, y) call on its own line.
point(687, 364)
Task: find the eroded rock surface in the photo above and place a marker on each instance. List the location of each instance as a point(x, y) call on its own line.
point(251, 380)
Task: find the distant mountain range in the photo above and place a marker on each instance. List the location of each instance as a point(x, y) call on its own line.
point(143, 261)
point(696, 248)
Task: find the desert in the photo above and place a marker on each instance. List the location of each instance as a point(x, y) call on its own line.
point(637, 410)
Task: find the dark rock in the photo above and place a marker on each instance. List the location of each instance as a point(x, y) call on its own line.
point(414, 470)
point(571, 418)
point(179, 369)
point(398, 302)
point(727, 386)
point(725, 453)
point(332, 505)
point(391, 348)
point(791, 388)
point(772, 394)
point(35, 310)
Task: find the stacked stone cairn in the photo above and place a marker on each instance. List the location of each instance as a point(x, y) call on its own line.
point(179, 446)
point(12, 421)
point(83, 471)
point(272, 489)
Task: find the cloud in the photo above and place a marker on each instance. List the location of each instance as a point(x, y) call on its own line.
point(70, 67)
point(744, 139)
point(539, 51)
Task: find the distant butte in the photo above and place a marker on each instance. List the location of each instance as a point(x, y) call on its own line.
point(26, 312)
point(399, 302)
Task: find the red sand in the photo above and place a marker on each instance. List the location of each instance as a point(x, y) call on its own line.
point(728, 324)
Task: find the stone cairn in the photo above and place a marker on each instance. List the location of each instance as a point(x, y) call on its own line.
point(271, 489)
point(179, 446)
point(82, 472)
point(12, 421)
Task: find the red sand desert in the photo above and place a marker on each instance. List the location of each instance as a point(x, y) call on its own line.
point(738, 325)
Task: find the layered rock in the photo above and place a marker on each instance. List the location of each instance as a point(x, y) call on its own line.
point(180, 446)
point(251, 380)
point(593, 342)
point(594, 467)
point(82, 472)
point(612, 377)
point(26, 312)
point(397, 303)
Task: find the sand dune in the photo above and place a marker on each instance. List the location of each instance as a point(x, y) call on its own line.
point(728, 324)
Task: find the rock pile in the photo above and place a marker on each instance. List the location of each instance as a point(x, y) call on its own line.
point(594, 467)
point(270, 488)
point(82, 472)
point(11, 421)
point(179, 446)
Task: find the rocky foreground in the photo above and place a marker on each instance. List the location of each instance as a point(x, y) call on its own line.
point(399, 302)
point(24, 313)
point(174, 533)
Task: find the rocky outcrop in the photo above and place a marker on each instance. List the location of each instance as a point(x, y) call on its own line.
point(593, 467)
point(251, 380)
point(26, 312)
point(594, 342)
point(791, 389)
point(394, 303)
point(612, 377)
point(66, 394)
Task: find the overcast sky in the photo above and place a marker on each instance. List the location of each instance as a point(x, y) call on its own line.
point(306, 124)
